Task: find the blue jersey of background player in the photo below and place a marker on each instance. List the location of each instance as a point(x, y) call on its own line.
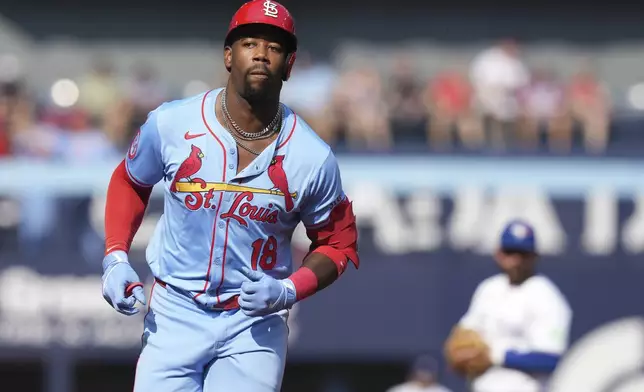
point(239, 171)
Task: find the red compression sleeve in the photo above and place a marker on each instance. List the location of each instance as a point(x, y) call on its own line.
point(338, 239)
point(124, 210)
point(305, 282)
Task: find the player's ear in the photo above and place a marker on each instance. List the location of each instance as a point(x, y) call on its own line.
point(228, 57)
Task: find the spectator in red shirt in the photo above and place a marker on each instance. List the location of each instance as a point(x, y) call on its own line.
point(5, 146)
point(448, 101)
point(9, 98)
point(590, 105)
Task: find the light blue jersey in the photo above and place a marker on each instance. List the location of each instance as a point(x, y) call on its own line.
point(215, 221)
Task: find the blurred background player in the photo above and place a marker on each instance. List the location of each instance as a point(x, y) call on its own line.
point(423, 377)
point(522, 318)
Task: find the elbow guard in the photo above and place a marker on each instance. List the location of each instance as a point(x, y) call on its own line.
point(338, 239)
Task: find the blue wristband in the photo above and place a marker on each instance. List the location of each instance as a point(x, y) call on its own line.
point(531, 362)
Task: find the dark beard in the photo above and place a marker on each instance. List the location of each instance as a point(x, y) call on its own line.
point(254, 93)
point(260, 93)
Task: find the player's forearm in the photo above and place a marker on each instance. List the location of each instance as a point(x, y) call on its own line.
point(320, 268)
point(124, 210)
point(317, 272)
point(333, 247)
point(324, 269)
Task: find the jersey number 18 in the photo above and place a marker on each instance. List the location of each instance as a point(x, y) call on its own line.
point(264, 253)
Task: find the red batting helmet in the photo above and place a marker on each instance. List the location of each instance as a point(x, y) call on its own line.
point(270, 13)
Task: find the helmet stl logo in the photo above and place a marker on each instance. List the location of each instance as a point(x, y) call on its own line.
point(270, 9)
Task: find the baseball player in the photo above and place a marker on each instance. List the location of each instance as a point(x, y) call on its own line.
point(239, 172)
point(521, 318)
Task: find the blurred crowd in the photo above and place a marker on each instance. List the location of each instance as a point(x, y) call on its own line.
point(495, 102)
point(92, 118)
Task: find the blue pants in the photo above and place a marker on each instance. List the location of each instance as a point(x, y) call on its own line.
point(187, 348)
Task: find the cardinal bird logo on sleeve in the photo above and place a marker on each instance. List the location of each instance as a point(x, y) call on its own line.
point(189, 168)
point(277, 175)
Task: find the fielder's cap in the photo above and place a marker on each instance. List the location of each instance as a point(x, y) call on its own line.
point(518, 235)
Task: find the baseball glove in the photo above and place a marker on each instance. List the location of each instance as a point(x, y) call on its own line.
point(467, 353)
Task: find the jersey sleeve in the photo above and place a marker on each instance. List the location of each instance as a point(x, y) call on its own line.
point(550, 329)
point(325, 192)
point(473, 318)
point(143, 161)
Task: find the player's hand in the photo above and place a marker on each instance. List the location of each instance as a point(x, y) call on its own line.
point(121, 285)
point(264, 294)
